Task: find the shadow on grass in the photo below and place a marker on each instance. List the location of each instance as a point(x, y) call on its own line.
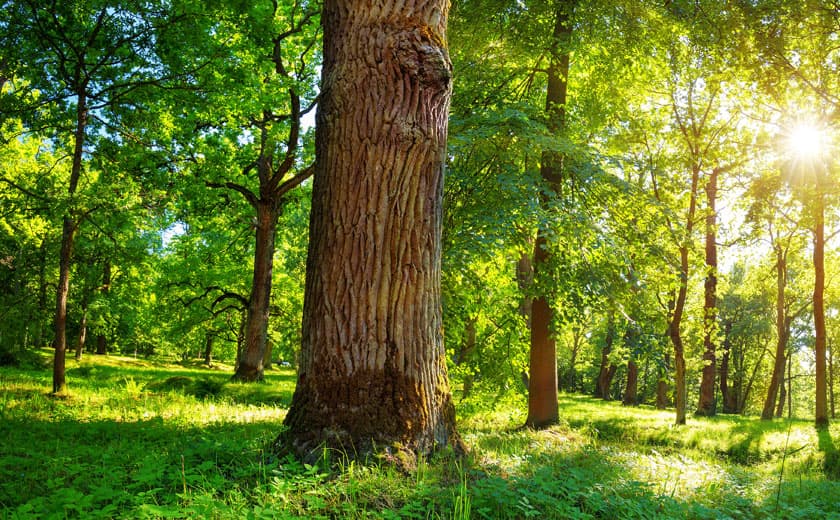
point(831, 457)
point(66, 467)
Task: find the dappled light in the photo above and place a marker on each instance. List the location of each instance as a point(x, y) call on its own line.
point(491, 259)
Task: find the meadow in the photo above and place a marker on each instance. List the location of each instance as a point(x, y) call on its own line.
point(137, 438)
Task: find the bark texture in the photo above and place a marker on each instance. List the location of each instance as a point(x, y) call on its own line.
point(706, 403)
point(372, 366)
point(250, 367)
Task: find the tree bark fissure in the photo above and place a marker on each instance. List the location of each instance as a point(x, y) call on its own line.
point(372, 365)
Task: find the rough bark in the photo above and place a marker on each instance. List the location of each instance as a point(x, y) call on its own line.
point(706, 403)
point(782, 334)
point(542, 387)
point(372, 371)
point(250, 367)
point(821, 408)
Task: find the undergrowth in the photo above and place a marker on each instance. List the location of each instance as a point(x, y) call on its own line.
point(134, 439)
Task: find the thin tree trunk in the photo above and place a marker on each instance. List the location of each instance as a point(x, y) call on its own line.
point(602, 385)
point(542, 387)
point(68, 233)
point(80, 344)
point(821, 408)
point(728, 395)
point(373, 374)
point(662, 384)
point(706, 403)
point(831, 378)
point(101, 339)
point(782, 334)
point(780, 405)
point(630, 396)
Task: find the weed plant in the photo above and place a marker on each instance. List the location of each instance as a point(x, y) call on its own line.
point(136, 439)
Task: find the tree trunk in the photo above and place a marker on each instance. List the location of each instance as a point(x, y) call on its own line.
point(250, 366)
point(831, 379)
point(101, 339)
point(542, 387)
point(269, 347)
point(466, 352)
point(782, 334)
point(780, 405)
point(706, 403)
point(373, 368)
point(602, 385)
point(524, 279)
point(662, 385)
point(728, 395)
point(80, 344)
point(630, 397)
point(821, 408)
point(68, 233)
point(208, 349)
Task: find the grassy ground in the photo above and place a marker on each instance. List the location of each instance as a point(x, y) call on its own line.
point(140, 440)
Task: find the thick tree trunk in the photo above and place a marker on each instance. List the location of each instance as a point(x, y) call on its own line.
point(630, 397)
point(706, 403)
point(372, 371)
point(250, 367)
point(101, 339)
point(607, 370)
point(782, 334)
point(821, 408)
point(542, 387)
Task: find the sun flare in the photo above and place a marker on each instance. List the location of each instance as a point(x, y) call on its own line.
point(806, 141)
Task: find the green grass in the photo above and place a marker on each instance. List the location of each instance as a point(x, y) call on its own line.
point(135, 439)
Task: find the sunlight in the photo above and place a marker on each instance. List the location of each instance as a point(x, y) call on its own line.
point(806, 142)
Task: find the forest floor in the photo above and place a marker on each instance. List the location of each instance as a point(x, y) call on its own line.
point(141, 439)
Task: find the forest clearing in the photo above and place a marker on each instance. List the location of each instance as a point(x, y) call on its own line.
point(419, 259)
point(144, 439)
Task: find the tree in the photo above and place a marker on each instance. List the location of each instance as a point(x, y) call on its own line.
point(86, 60)
point(372, 367)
